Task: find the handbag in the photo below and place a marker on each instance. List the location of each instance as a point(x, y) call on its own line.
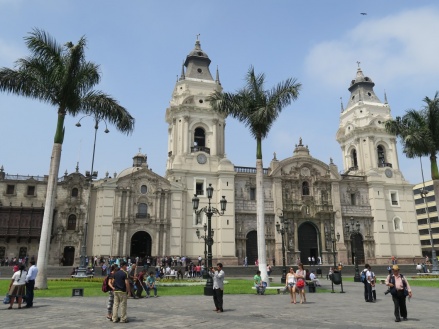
point(300, 283)
point(7, 299)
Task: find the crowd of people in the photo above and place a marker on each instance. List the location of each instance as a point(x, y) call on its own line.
point(15, 261)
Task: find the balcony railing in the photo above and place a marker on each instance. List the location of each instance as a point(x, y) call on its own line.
point(250, 170)
point(141, 215)
point(384, 164)
point(200, 149)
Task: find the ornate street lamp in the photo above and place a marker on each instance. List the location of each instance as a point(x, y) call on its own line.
point(352, 231)
point(209, 211)
point(204, 237)
point(331, 236)
point(89, 175)
point(282, 230)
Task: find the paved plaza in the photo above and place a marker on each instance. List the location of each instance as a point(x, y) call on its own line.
point(322, 310)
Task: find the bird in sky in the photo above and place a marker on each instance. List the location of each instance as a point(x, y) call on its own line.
point(363, 13)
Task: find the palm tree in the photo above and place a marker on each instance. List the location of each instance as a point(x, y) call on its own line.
point(258, 109)
point(419, 132)
point(60, 75)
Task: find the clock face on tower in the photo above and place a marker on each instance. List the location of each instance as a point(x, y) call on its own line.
point(388, 173)
point(201, 158)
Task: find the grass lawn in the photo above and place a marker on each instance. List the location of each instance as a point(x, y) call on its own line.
point(92, 288)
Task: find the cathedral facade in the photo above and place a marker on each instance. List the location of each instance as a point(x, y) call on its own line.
point(367, 205)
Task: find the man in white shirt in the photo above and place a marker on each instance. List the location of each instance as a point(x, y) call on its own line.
point(369, 279)
point(218, 286)
point(30, 284)
point(314, 279)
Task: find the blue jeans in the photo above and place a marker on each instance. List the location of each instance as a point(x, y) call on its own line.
point(148, 289)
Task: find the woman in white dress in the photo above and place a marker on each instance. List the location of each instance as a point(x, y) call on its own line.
point(290, 283)
point(17, 287)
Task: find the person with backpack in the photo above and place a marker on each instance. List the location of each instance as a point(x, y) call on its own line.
point(107, 286)
point(363, 278)
point(399, 289)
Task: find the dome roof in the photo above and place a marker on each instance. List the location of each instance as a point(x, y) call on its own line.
point(197, 52)
point(128, 171)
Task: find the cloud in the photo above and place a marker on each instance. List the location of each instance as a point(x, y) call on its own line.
point(400, 47)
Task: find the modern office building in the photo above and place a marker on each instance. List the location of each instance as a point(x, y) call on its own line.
point(426, 210)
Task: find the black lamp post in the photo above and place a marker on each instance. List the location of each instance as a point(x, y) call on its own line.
point(282, 230)
point(90, 175)
point(204, 237)
point(352, 231)
point(331, 236)
point(209, 211)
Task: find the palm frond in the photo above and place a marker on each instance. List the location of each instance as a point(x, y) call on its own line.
point(97, 103)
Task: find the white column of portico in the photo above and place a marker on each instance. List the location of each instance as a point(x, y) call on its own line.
point(322, 235)
point(214, 147)
point(186, 134)
point(124, 250)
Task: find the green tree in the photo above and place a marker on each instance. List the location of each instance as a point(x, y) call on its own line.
point(258, 109)
point(60, 76)
point(419, 132)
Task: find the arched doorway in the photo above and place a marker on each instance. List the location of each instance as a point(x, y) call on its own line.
point(251, 247)
point(308, 242)
point(141, 243)
point(69, 256)
point(357, 246)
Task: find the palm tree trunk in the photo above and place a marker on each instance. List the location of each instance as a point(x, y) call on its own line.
point(260, 213)
point(44, 248)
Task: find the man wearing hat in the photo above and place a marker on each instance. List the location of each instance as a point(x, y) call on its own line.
point(399, 289)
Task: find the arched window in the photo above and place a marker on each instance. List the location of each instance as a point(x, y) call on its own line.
point(397, 224)
point(354, 158)
point(200, 137)
point(71, 223)
point(305, 188)
point(143, 189)
point(22, 253)
point(74, 192)
point(142, 210)
point(2, 252)
point(381, 156)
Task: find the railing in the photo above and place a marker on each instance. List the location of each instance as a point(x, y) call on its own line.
point(250, 170)
point(140, 215)
point(200, 149)
point(23, 177)
point(384, 164)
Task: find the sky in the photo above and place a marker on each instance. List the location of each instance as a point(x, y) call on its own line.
point(140, 47)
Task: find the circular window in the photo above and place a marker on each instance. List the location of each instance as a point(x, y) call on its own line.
point(199, 70)
point(143, 189)
point(201, 101)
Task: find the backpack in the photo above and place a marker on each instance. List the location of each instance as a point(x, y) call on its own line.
point(105, 286)
point(363, 277)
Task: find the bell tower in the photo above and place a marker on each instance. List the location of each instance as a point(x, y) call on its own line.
point(195, 131)
point(366, 145)
point(386, 212)
point(196, 159)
